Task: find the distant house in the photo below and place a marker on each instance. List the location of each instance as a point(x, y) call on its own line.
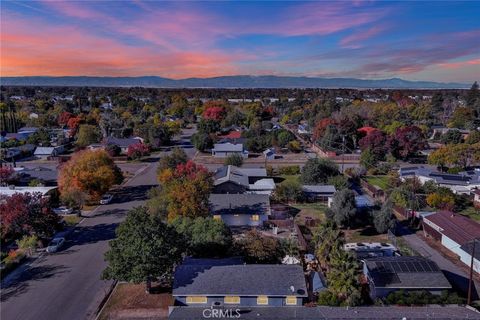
point(231, 179)
point(389, 274)
point(321, 193)
point(456, 233)
point(45, 191)
point(269, 154)
point(370, 249)
point(122, 143)
point(303, 129)
point(461, 183)
point(46, 152)
point(46, 176)
point(24, 150)
point(223, 150)
point(217, 284)
point(240, 209)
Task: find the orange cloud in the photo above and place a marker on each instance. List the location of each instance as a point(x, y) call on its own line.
point(33, 49)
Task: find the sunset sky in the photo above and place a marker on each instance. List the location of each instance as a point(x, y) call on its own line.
point(437, 41)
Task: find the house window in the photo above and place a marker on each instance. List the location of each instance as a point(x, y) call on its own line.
point(262, 300)
point(291, 301)
point(197, 299)
point(231, 300)
point(255, 217)
point(217, 217)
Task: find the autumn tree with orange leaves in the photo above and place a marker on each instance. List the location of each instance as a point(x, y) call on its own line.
point(90, 172)
point(185, 190)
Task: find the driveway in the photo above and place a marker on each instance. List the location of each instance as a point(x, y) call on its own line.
point(455, 274)
point(67, 285)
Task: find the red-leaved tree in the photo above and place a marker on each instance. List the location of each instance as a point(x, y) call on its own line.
point(27, 214)
point(137, 150)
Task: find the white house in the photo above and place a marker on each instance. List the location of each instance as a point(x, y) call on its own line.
point(223, 150)
point(456, 233)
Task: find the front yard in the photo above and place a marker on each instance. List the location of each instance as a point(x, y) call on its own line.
point(131, 301)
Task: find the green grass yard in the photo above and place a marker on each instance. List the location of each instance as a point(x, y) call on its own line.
point(313, 210)
point(472, 213)
point(379, 181)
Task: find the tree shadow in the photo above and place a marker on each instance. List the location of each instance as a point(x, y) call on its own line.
point(133, 193)
point(21, 284)
point(91, 234)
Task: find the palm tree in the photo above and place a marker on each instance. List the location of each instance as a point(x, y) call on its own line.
point(327, 238)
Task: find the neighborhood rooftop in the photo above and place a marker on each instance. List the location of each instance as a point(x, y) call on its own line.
point(455, 226)
point(242, 280)
point(406, 273)
point(239, 203)
point(323, 312)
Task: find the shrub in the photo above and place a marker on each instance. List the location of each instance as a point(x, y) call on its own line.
point(234, 159)
point(289, 170)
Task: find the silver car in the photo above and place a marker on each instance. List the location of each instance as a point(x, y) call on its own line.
point(55, 244)
point(63, 210)
point(106, 199)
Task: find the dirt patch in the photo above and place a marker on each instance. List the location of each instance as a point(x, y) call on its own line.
point(131, 301)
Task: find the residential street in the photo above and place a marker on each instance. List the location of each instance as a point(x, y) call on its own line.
point(67, 285)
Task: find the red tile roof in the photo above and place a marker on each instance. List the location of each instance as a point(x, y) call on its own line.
point(232, 135)
point(455, 226)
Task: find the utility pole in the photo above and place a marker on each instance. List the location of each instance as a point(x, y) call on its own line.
point(470, 282)
point(343, 153)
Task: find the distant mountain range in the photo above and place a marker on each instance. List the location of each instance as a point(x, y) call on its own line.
point(228, 82)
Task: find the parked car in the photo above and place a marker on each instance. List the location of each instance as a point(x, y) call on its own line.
point(63, 210)
point(55, 244)
point(106, 199)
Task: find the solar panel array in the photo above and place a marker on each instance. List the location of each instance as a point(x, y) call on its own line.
point(406, 266)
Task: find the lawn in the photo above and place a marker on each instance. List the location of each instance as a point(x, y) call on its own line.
point(291, 178)
point(72, 220)
point(131, 301)
point(313, 210)
point(472, 213)
point(379, 181)
point(367, 234)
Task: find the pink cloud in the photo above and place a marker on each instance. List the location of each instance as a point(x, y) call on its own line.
point(354, 40)
point(70, 51)
point(459, 64)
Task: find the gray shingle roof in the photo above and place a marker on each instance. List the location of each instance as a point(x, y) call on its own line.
point(243, 280)
point(122, 142)
point(323, 312)
point(406, 272)
point(323, 189)
point(228, 147)
point(239, 203)
point(237, 175)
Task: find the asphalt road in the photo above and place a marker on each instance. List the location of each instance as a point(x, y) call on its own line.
point(67, 284)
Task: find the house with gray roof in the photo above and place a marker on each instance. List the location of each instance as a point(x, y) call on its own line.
point(231, 179)
point(389, 274)
point(320, 193)
point(240, 209)
point(122, 143)
point(238, 285)
point(223, 150)
point(461, 183)
point(46, 152)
